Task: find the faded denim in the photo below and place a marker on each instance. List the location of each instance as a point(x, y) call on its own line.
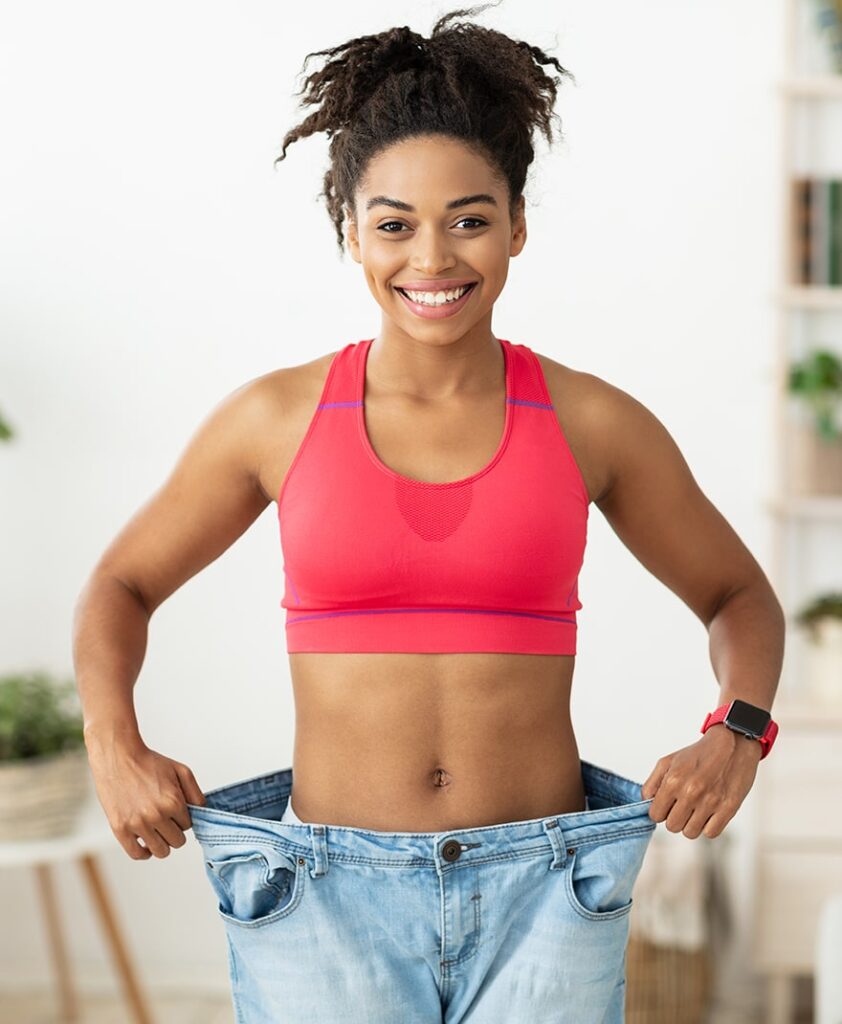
point(525, 921)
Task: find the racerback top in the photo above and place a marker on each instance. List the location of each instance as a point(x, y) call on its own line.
point(378, 562)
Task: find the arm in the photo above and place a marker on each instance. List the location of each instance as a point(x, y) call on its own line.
point(209, 499)
point(657, 509)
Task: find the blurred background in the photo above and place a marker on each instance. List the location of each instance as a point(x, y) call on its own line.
point(685, 244)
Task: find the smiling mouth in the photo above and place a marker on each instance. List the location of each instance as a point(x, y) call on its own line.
point(468, 288)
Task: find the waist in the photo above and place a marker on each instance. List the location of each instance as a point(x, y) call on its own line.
point(450, 742)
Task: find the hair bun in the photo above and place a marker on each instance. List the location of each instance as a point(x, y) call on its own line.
point(401, 48)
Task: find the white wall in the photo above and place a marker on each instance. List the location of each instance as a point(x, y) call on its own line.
point(153, 260)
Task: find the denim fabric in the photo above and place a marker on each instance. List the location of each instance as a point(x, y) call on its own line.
point(525, 921)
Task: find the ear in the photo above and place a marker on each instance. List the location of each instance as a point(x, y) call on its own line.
point(518, 226)
point(352, 235)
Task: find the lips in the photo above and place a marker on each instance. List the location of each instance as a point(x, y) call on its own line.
point(467, 285)
point(446, 284)
point(437, 312)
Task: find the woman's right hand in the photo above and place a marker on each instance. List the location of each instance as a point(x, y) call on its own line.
point(144, 795)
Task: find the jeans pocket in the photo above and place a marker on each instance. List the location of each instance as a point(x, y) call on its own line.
point(599, 876)
point(254, 886)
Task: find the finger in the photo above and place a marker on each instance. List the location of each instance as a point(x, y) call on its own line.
point(678, 816)
point(189, 786)
point(715, 824)
point(155, 842)
point(652, 784)
point(697, 821)
point(662, 804)
point(130, 844)
point(171, 832)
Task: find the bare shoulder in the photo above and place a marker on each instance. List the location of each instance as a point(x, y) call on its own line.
point(282, 403)
point(649, 494)
point(593, 414)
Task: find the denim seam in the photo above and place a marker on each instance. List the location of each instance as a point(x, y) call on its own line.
point(592, 915)
point(222, 839)
point(477, 901)
point(590, 840)
point(243, 807)
point(275, 915)
point(609, 915)
point(235, 982)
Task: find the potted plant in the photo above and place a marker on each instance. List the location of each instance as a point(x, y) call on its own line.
point(817, 440)
point(44, 772)
point(822, 620)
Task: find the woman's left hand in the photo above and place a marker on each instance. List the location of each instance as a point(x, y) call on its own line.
point(699, 788)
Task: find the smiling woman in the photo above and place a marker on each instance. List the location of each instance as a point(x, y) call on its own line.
point(433, 486)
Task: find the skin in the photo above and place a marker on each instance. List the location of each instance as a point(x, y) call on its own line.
point(415, 742)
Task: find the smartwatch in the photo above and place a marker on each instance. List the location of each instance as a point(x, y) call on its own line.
point(750, 720)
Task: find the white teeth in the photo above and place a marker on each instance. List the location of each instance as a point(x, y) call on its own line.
point(437, 298)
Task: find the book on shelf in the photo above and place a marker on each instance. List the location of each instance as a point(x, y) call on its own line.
point(817, 231)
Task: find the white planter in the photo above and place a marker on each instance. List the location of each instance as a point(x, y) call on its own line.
point(41, 796)
point(824, 662)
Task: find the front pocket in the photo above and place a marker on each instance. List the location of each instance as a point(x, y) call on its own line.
point(599, 876)
point(256, 886)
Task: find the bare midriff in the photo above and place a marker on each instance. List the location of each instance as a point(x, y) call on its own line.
point(416, 742)
point(431, 742)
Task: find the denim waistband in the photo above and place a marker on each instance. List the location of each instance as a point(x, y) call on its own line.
point(250, 810)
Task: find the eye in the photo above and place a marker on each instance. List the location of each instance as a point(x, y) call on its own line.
point(474, 220)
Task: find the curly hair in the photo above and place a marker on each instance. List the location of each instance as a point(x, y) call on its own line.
point(465, 82)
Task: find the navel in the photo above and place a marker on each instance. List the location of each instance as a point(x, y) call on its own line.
point(441, 777)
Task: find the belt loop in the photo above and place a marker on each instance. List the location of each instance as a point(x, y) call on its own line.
point(318, 839)
point(555, 834)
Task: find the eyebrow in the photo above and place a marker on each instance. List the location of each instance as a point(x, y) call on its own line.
point(454, 204)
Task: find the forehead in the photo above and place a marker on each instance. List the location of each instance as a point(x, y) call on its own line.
point(427, 172)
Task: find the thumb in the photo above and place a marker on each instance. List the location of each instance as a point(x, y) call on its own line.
point(189, 786)
point(653, 783)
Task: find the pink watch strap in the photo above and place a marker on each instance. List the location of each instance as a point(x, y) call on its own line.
point(765, 741)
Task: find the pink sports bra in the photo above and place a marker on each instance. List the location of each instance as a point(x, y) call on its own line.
point(378, 562)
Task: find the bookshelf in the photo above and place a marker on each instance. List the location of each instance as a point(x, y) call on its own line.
point(797, 839)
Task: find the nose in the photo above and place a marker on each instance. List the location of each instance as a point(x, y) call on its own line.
point(432, 254)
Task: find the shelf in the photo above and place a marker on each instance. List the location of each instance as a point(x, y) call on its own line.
point(818, 507)
point(811, 296)
point(823, 87)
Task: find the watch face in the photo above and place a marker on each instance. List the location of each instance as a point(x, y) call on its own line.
point(748, 718)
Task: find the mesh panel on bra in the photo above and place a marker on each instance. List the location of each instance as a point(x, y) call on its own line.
point(434, 514)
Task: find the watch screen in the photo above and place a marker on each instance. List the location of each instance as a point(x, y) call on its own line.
point(747, 717)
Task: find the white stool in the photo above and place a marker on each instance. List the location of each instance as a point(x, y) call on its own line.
point(92, 833)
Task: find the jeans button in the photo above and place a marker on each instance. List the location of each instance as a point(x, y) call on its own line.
point(451, 850)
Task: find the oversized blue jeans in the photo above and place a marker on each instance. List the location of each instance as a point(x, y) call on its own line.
point(524, 922)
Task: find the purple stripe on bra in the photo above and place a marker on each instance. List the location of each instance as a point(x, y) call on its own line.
point(512, 401)
point(401, 611)
point(526, 401)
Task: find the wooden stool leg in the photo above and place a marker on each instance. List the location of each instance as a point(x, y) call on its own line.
point(69, 1006)
point(779, 999)
point(107, 916)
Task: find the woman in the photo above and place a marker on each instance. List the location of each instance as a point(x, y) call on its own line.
point(448, 855)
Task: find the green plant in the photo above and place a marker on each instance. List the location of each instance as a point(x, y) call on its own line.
point(826, 606)
point(6, 432)
point(828, 20)
point(38, 716)
point(818, 380)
